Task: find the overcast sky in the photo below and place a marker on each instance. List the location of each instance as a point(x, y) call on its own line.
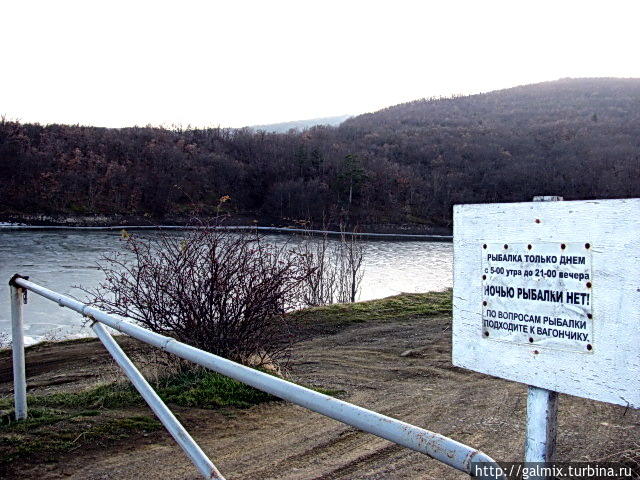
point(236, 63)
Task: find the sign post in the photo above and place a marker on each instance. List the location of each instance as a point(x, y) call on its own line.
point(542, 413)
point(547, 293)
point(542, 422)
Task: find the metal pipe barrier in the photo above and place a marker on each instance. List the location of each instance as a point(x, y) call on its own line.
point(434, 445)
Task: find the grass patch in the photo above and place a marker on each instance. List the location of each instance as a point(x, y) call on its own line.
point(47, 433)
point(117, 428)
point(38, 417)
point(198, 388)
point(62, 422)
point(110, 396)
point(397, 308)
point(205, 389)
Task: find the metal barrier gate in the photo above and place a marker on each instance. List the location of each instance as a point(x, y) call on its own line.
point(439, 447)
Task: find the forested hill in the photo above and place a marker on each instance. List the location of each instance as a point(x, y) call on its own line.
point(406, 164)
point(568, 100)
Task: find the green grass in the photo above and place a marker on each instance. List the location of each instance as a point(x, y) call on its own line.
point(47, 432)
point(62, 422)
point(114, 395)
point(198, 388)
point(397, 308)
point(204, 389)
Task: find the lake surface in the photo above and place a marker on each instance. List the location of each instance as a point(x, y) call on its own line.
point(63, 260)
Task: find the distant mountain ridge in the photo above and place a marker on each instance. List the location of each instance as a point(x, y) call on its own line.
point(284, 127)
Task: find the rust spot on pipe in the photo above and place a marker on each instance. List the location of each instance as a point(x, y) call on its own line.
point(12, 280)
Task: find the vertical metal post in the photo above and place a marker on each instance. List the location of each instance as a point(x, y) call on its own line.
point(17, 350)
point(542, 422)
point(542, 411)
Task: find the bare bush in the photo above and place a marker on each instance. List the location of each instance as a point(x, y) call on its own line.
point(321, 285)
point(5, 341)
point(223, 292)
point(334, 268)
point(350, 257)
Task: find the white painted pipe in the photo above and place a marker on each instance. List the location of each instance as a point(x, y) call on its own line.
point(170, 422)
point(444, 449)
point(17, 351)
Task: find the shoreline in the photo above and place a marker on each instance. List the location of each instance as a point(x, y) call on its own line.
point(284, 230)
point(236, 222)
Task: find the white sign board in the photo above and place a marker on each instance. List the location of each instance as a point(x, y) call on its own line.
point(548, 294)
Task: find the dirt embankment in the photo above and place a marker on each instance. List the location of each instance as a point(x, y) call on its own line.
point(402, 369)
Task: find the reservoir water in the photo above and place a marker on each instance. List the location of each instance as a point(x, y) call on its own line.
point(65, 259)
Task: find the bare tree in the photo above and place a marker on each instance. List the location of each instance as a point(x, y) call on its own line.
point(334, 268)
point(321, 283)
point(223, 292)
point(350, 272)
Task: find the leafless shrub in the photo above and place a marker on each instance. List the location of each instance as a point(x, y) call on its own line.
point(320, 286)
point(350, 257)
point(157, 364)
point(5, 341)
point(53, 335)
point(223, 292)
point(334, 269)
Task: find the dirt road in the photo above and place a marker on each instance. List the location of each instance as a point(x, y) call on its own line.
point(400, 369)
